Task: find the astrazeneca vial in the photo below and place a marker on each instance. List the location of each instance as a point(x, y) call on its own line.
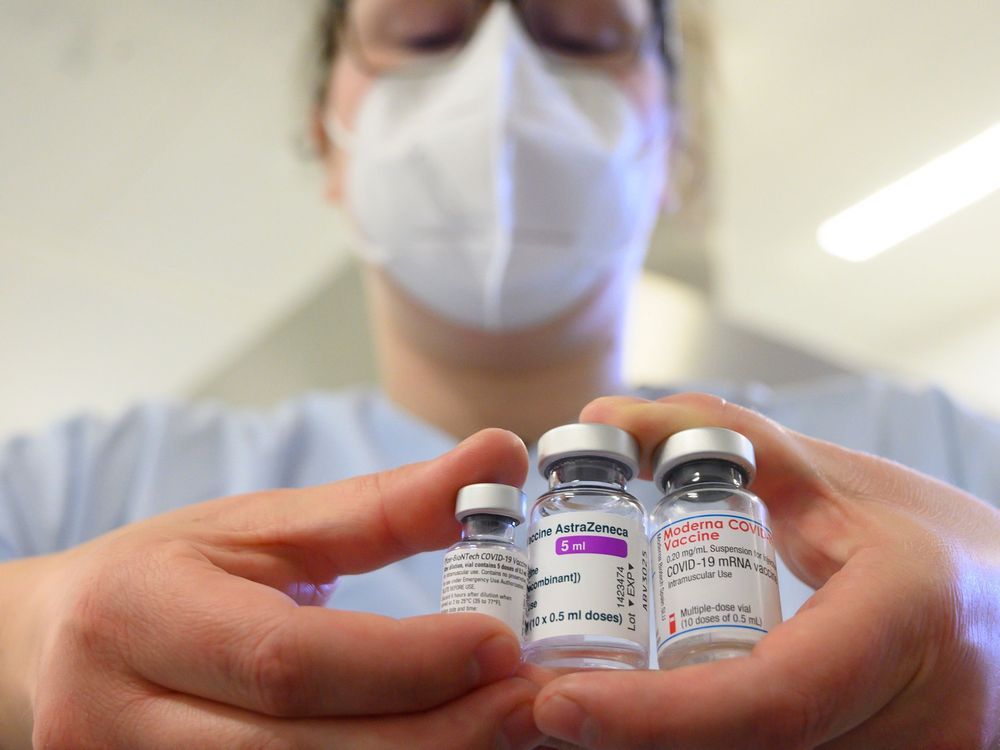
point(486, 571)
point(715, 585)
point(588, 601)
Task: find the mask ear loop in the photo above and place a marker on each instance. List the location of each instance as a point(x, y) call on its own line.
point(339, 134)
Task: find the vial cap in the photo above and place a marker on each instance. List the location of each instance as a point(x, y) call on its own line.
point(590, 440)
point(494, 499)
point(703, 443)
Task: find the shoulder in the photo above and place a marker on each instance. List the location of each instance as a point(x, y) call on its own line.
point(304, 440)
point(161, 454)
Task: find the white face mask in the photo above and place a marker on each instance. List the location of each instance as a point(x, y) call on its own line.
point(498, 193)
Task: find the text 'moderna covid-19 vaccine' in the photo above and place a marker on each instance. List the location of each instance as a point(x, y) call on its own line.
point(486, 571)
point(715, 585)
point(587, 554)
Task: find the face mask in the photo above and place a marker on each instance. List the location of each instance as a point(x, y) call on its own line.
point(498, 193)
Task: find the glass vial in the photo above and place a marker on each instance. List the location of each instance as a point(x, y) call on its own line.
point(486, 571)
point(588, 601)
point(715, 585)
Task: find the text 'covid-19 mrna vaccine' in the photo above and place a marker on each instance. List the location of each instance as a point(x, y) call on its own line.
point(715, 585)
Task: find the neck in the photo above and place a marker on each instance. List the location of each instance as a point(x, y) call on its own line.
point(464, 380)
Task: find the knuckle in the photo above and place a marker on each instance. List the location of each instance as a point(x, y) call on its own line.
point(94, 620)
point(696, 400)
point(378, 486)
point(277, 675)
point(420, 675)
point(369, 484)
point(610, 408)
point(719, 410)
point(602, 406)
point(714, 410)
point(799, 721)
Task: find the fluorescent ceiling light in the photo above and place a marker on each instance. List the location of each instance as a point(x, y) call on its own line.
point(910, 205)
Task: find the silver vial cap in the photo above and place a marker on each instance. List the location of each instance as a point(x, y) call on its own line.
point(590, 440)
point(703, 443)
point(494, 499)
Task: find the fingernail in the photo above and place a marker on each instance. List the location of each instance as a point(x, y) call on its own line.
point(564, 718)
point(518, 731)
point(497, 657)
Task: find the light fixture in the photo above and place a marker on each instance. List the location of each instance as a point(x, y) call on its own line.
point(913, 203)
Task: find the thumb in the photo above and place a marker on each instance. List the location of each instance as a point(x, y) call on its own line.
point(283, 538)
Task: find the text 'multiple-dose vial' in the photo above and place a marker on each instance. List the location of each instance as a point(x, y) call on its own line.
point(715, 585)
point(587, 554)
point(486, 571)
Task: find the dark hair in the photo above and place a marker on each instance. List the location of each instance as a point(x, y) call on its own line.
point(329, 28)
point(334, 12)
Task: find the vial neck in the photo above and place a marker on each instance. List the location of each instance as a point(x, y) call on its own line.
point(576, 472)
point(485, 527)
point(700, 473)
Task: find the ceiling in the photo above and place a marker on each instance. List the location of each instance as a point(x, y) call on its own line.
point(156, 215)
point(816, 106)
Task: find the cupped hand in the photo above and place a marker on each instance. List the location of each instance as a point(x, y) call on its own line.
point(189, 630)
point(898, 648)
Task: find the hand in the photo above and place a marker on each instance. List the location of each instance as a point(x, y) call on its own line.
point(898, 648)
point(187, 631)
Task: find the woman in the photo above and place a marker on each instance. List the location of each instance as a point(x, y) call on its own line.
point(502, 163)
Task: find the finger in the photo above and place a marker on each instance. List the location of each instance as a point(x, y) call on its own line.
point(815, 531)
point(498, 716)
point(260, 651)
point(290, 537)
point(652, 422)
point(836, 663)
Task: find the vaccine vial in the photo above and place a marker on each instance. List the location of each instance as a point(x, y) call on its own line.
point(588, 601)
point(715, 584)
point(486, 571)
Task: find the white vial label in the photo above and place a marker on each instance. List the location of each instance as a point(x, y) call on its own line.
point(490, 581)
point(588, 577)
point(713, 572)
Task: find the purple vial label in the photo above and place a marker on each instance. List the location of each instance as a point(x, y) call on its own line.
point(591, 545)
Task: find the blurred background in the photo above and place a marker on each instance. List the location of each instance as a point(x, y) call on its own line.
point(163, 235)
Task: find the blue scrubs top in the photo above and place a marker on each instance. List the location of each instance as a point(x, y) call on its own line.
point(86, 476)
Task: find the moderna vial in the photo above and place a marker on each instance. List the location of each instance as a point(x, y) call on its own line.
point(486, 571)
point(587, 554)
point(715, 585)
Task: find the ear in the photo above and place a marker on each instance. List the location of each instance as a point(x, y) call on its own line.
point(318, 138)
